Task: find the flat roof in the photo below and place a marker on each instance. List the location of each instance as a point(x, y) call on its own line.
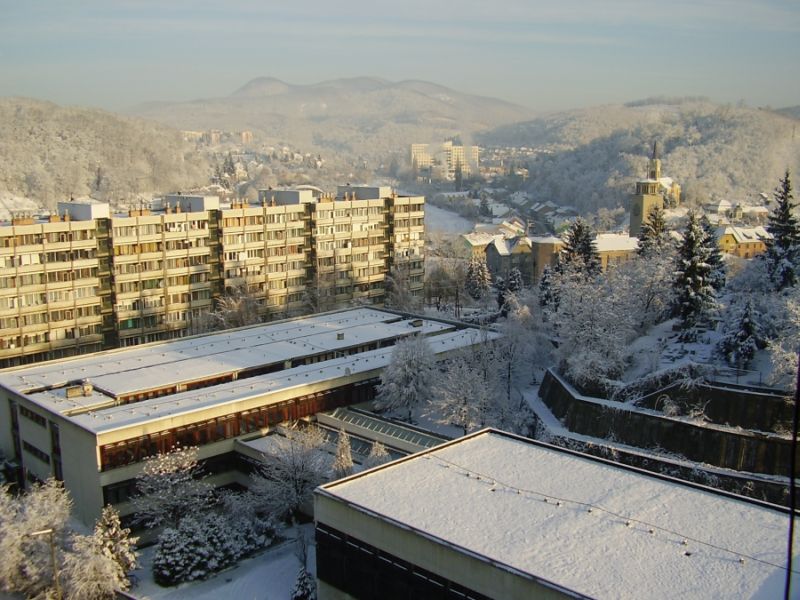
point(141, 368)
point(120, 372)
point(588, 525)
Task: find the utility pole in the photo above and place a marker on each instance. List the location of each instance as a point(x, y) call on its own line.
point(52, 534)
point(792, 492)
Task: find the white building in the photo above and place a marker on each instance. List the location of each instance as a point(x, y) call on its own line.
point(493, 515)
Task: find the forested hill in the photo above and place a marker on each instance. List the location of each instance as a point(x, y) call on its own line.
point(48, 152)
point(595, 155)
point(361, 116)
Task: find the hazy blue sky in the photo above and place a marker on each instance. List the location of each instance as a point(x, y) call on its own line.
point(546, 55)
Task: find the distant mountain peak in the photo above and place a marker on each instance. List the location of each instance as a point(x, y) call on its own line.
point(263, 86)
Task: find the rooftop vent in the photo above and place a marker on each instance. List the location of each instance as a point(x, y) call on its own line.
point(340, 336)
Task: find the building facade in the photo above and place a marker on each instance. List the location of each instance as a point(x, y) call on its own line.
point(86, 280)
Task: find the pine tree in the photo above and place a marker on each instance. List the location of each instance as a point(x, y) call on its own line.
point(459, 177)
point(515, 281)
point(653, 235)
point(715, 261)
point(783, 250)
point(484, 210)
point(343, 463)
point(739, 345)
point(407, 380)
point(695, 294)
point(304, 587)
point(547, 294)
point(479, 280)
point(378, 455)
point(579, 248)
point(115, 540)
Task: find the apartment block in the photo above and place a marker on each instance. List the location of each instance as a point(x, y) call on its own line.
point(86, 280)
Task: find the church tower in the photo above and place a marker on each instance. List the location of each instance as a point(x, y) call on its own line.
point(648, 194)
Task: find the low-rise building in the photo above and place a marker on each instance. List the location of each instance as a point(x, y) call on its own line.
point(744, 242)
point(494, 515)
point(90, 421)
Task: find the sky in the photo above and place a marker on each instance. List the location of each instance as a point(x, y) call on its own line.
point(545, 55)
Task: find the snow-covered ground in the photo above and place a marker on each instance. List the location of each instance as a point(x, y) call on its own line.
point(270, 575)
point(444, 221)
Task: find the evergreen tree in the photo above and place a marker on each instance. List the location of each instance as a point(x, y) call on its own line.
point(458, 177)
point(547, 293)
point(478, 280)
point(515, 281)
point(116, 541)
point(783, 250)
point(343, 463)
point(378, 455)
point(304, 587)
point(695, 294)
point(484, 210)
point(739, 345)
point(653, 235)
point(715, 261)
point(579, 248)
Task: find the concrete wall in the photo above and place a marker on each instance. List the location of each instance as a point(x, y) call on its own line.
point(739, 450)
point(730, 405)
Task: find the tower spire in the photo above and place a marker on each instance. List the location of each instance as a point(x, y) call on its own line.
point(655, 150)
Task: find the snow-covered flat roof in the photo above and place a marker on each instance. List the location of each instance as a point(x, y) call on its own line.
point(588, 525)
point(143, 368)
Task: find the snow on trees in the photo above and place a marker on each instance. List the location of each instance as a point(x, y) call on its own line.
point(305, 588)
point(90, 573)
point(236, 309)
point(694, 277)
point(169, 488)
point(26, 564)
point(115, 540)
point(478, 280)
point(398, 289)
point(715, 261)
point(343, 461)
point(378, 455)
point(407, 380)
point(593, 324)
point(476, 387)
point(296, 464)
point(783, 250)
point(463, 394)
point(514, 283)
point(579, 248)
point(653, 235)
point(508, 291)
point(89, 567)
point(739, 344)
